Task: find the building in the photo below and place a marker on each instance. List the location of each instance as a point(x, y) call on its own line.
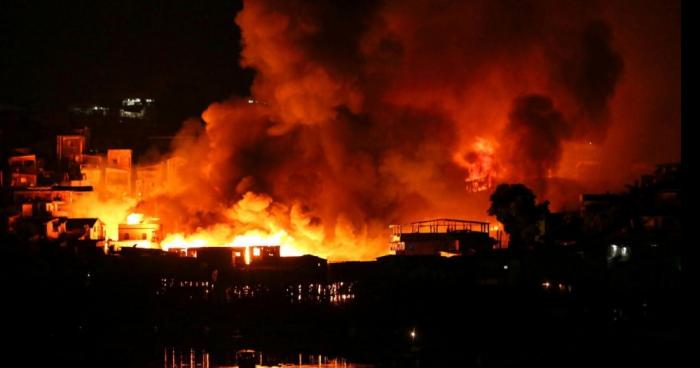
point(35, 228)
point(229, 256)
point(92, 169)
point(149, 178)
point(70, 147)
point(53, 201)
point(86, 228)
point(87, 112)
point(23, 171)
point(118, 172)
point(136, 108)
point(441, 237)
point(145, 231)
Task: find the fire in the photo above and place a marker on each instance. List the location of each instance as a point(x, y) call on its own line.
point(110, 210)
point(348, 142)
point(217, 238)
point(480, 165)
point(134, 218)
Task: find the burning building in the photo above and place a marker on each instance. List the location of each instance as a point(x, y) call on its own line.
point(51, 201)
point(118, 172)
point(139, 232)
point(231, 256)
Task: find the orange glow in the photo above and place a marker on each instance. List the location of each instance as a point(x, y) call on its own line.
point(220, 236)
point(134, 218)
point(479, 162)
point(112, 210)
point(328, 150)
point(256, 220)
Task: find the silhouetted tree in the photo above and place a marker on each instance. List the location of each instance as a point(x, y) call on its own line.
point(514, 206)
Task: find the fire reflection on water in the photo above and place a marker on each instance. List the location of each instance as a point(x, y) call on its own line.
point(198, 358)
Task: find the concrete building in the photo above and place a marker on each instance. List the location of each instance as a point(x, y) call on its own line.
point(145, 231)
point(149, 178)
point(441, 237)
point(54, 201)
point(118, 172)
point(70, 147)
point(23, 171)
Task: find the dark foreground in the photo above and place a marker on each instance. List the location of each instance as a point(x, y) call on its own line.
point(69, 307)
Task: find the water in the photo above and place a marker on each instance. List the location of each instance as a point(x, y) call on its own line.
point(199, 358)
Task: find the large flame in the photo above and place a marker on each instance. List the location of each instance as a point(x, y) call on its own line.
point(288, 246)
point(134, 218)
point(480, 164)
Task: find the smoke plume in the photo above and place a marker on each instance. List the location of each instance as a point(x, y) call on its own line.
point(368, 113)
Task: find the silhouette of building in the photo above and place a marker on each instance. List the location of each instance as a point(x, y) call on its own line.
point(446, 237)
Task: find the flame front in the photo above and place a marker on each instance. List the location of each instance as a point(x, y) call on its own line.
point(288, 246)
point(479, 162)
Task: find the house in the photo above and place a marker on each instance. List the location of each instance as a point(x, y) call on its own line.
point(86, 228)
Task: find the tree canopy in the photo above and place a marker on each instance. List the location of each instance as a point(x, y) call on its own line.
point(515, 207)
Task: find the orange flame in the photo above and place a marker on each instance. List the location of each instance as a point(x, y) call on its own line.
point(480, 165)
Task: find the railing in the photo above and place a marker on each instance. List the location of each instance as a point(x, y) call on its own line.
point(439, 226)
point(397, 246)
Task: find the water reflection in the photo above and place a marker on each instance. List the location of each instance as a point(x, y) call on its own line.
point(178, 358)
point(197, 358)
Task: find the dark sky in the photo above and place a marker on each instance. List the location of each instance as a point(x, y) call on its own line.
point(183, 53)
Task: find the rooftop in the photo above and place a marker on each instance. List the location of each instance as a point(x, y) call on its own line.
point(442, 225)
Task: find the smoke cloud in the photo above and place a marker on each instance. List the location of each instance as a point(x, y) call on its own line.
point(370, 113)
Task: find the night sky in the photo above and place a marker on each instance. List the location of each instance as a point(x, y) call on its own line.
point(183, 53)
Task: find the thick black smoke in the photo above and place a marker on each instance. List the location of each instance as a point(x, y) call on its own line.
point(537, 130)
point(590, 70)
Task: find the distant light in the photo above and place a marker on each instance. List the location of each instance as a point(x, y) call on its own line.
point(590, 142)
point(251, 101)
point(505, 267)
point(413, 334)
